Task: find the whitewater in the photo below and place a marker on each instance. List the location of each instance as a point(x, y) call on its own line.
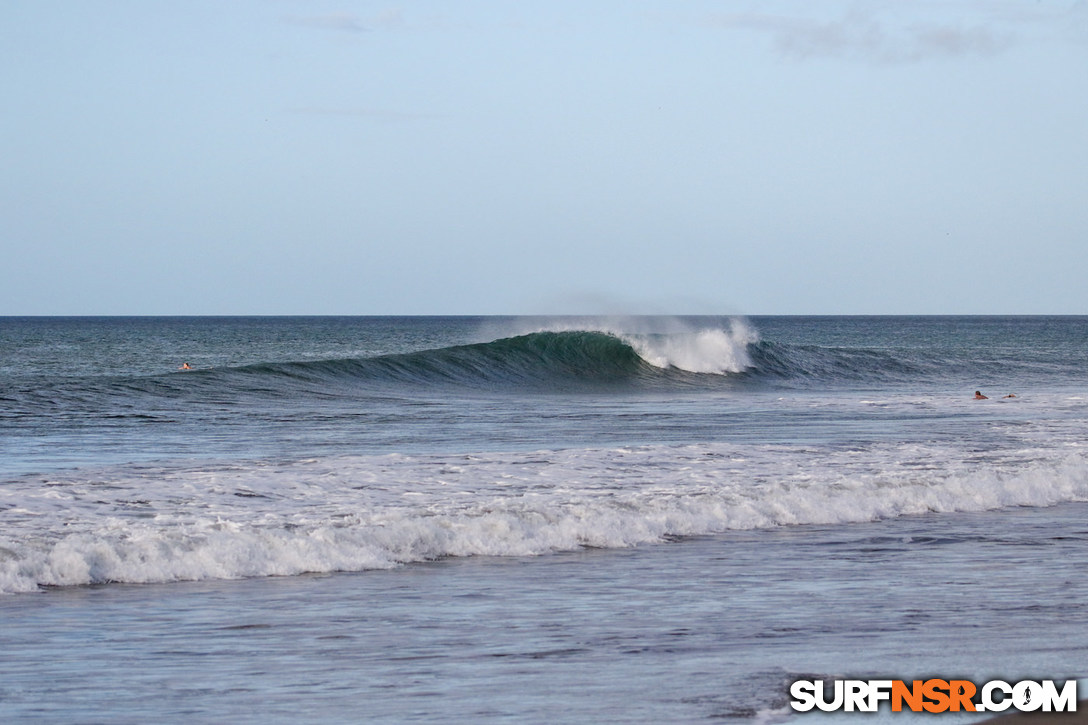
point(159, 524)
point(758, 485)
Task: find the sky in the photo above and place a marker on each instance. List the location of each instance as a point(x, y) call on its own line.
point(494, 157)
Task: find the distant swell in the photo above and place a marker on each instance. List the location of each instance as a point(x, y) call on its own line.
point(559, 359)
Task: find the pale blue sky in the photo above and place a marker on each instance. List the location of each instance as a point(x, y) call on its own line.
point(342, 157)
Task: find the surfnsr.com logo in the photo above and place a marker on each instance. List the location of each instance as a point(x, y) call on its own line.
point(933, 695)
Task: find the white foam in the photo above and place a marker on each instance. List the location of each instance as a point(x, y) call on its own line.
point(704, 351)
point(352, 514)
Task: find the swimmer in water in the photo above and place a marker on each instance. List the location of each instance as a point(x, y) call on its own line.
point(185, 366)
point(980, 396)
point(1011, 395)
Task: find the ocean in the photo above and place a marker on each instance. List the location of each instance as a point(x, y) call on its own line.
point(515, 519)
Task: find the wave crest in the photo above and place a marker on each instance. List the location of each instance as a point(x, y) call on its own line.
point(706, 351)
point(569, 353)
point(666, 343)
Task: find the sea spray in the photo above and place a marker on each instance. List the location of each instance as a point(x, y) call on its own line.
point(705, 351)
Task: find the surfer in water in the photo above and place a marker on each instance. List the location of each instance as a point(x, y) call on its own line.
point(980, 396)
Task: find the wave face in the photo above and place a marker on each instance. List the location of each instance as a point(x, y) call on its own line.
point(550, 358)
point(538, 357)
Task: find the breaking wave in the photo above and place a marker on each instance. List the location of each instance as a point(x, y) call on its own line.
point(144, 525)
point(547, 357)
point(558, 357)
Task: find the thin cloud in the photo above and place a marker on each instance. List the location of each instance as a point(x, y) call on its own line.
point(860, 36)
point(393, 18)
point(948, 41)
point(338, 22)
